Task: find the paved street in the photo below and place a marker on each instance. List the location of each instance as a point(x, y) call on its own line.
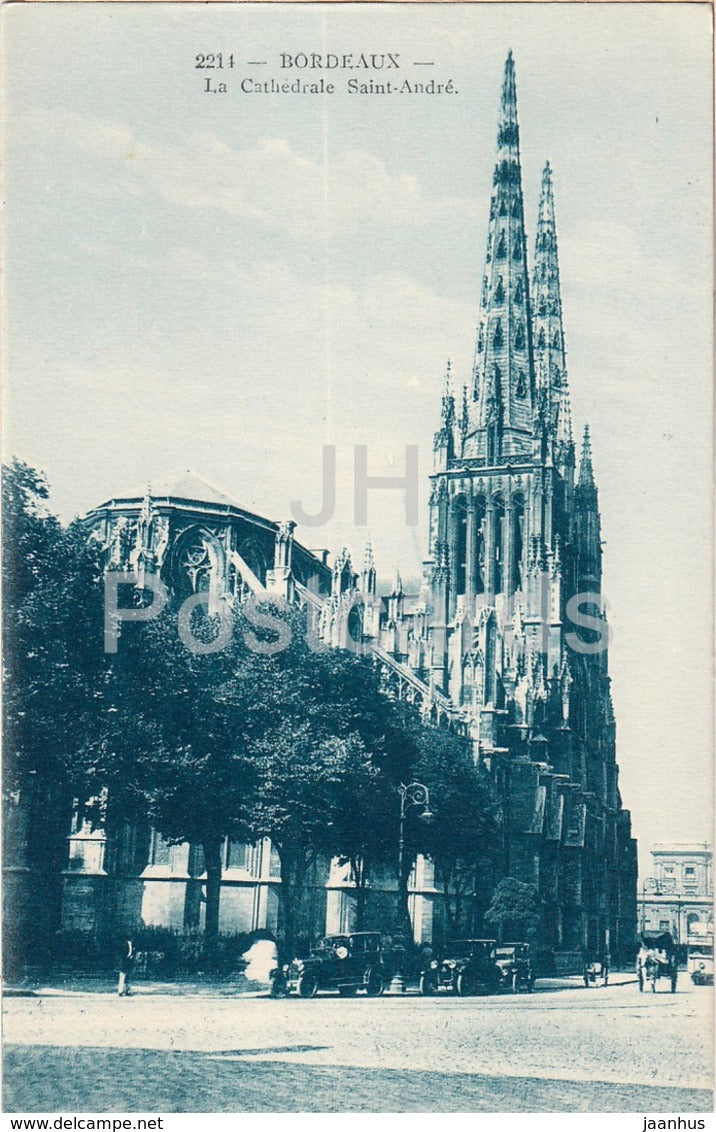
point(564, 1048)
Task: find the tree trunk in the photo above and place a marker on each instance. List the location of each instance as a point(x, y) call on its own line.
point(293, 871)
point(445, 877)
point(212, 861)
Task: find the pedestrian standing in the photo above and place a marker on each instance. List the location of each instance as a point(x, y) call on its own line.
point(127, 960)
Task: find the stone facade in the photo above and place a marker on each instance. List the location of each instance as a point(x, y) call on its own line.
point(678, 897)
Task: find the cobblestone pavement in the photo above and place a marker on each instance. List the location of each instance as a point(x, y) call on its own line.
point(563, 1048)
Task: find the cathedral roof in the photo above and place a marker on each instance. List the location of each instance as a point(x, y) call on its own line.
point(188, 486)
point(191, 492)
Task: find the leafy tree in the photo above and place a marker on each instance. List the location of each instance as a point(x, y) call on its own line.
point(330, 751)
point(166, 749)
point(252, 741)
point(52, 632)
point(515, 908)
point(464, 824)
point(53, 658)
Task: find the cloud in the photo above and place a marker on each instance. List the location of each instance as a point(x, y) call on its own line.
point(267, 181)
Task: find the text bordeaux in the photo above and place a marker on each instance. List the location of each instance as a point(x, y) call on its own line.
point(302, 61)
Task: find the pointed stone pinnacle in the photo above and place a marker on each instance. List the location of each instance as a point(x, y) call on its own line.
point(397, 584)
point(448, 406)
point(546, 201)
point(586, 470)
point(448, 378)
point(509, 92)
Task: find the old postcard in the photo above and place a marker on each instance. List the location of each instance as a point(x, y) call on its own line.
point(357, 537)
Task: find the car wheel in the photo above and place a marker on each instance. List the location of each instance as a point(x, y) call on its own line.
point(307, 984)
point(515, 982)
point(427, 986)
point(347, 992)
point(374, 984)
point(465, 983)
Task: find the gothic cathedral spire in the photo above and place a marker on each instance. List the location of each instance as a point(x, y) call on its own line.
point(548, 333)
point(503, 375)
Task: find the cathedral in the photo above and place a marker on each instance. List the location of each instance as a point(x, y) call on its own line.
point(505, 642)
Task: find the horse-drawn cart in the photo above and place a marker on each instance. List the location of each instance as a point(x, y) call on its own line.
point(656, 960)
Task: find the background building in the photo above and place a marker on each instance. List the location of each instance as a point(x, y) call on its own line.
point(678, 897)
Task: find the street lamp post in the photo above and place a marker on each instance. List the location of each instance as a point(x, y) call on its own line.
point(418, 795)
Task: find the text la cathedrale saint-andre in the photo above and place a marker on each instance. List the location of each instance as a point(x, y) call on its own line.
point(218, 83)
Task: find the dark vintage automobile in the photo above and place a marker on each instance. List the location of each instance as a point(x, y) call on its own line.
point(465, 967)
point(515, 965)
point(346, 963)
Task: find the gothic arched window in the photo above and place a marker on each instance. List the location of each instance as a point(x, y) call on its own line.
point(501, 248)
point(459, 543)
point(479, 548)
point(520, 338)
point(518, 291)
point(498, 526)
point(500, 291)
point(497, 337)
point(521, 387)
point(195, 564)
point(518, 533)
point(491, 442)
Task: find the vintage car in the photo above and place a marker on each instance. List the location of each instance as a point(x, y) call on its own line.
point(515, 965)
point(466, 967)
point(346, 963)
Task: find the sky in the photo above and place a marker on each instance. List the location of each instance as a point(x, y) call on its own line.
point(229, 282)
